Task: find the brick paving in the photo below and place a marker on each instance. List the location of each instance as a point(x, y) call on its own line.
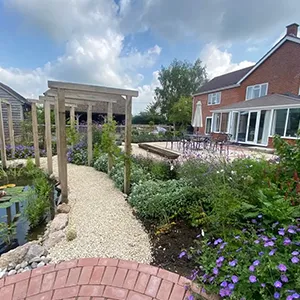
point(95, 279)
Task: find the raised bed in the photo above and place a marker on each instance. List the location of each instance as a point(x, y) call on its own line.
point(159, 151)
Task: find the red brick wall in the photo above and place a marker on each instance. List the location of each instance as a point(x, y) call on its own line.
point(281, 70)
point(270, 141)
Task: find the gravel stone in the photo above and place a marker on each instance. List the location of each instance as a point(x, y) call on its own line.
point(41, 264)
point(34, 265)
point(12, 272)
point(18, 267)
point(102, 218)
point(24, 264)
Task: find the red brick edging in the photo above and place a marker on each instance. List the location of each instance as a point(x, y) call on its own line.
point(95, 278)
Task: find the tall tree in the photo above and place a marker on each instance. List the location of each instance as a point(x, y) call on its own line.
point(180, 79)
point(181, 112)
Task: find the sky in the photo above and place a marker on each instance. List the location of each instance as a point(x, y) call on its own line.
point(124, 43)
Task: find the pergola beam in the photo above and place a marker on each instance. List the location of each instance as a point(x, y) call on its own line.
point(72, 101)
point(90, 88)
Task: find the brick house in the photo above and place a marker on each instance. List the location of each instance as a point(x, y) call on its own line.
point(257, 102)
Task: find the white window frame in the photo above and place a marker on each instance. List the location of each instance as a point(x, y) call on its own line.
point(211, 123)
point(211, 96)
point(260, 88)
point(285, 126)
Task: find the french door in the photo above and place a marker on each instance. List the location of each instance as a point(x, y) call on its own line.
point(251, 127)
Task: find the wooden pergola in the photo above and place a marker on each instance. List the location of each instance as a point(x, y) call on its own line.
point(62, 96)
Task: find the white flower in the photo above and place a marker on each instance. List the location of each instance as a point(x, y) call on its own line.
point(218, 172)
point(251, 166)
point(222, 171)
point(233, 172)
point(172, 168)
point(202, 232)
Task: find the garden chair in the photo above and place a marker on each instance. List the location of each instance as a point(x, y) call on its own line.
point(220, 140)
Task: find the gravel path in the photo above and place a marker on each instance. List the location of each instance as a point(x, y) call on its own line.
point(102, 218)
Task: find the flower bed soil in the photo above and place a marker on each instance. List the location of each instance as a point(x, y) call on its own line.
point(168, 245)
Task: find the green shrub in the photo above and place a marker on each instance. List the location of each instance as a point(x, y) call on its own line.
point(160, 200)
point(160, 170)
point(101, 163)
point(138, 175)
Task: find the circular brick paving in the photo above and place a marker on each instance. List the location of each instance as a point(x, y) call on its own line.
point(93, 278)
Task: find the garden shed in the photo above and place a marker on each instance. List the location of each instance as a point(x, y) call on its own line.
point(18, 105)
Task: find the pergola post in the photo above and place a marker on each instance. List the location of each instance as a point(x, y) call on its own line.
point(11, 130)
point(62, 144)
point(72, 116)
point(109, 119)
point(48, 137)
point(2, 140)
point(90, 134)
point(35, 134)
point(128, 120)
point(109, 111)
point(57, 135)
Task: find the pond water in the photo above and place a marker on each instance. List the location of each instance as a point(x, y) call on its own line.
point(23, 231)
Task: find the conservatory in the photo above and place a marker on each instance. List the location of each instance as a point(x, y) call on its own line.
point(254, 121)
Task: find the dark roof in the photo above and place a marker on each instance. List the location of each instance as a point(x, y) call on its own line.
point(269, 100)
point(224, 80)
point(13, 93)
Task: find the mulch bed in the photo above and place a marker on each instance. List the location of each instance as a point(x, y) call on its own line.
point(169, 243)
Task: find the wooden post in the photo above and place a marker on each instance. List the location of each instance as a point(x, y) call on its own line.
point(72, 116)
point(77, 122)
point(8, 213)
point(109, 119)
point(128, 121)
point(109, 111)
point(2, 140)
point(48, 136)
point(11, 130)
point(57, 135)
point(35, 132)
point(62, 145)
point(90, 134)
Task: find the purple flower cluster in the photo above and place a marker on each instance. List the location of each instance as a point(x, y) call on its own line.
point(22, 151)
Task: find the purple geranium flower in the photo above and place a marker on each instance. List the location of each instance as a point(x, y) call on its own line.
point(296, 296)
point(269, 244)
point(251, 268)
point(289, 297)
point(233, 263)
point(261, 253)
point(292, 231)
point(234, 278)
point(287, 241)
point(295, 260)
point(256, 263)
point(256, 242)
point(191, 297)
point(272, 252)
point(276, 295)
point(284, 278)
point(263, 285)
point(224, 284)
point(278, 284)
point(216, 271)
point(225, 292)
point(295, 253)
point(218, 241)
point(281, 231)
point(252, 278)
point(282, 267)
point(182, 254)
point(231, 286)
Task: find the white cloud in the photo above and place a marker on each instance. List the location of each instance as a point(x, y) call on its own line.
point(252, 49)
point(220, 62)
point(215, 20)
point(94, 47)
point(146, 94)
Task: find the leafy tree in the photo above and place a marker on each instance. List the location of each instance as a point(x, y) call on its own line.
point(181, 112)
point(180, 79)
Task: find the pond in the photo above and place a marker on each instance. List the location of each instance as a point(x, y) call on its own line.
point(12, 207)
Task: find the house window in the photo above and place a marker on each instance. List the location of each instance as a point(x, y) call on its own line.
point(279, 121)
point(224, 122)
point(216, 122)
point(293, 122)
point(208, 125)
point(256, 91)
point(214, 98)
